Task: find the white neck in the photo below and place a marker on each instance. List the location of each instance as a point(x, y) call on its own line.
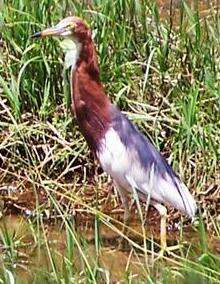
point(72, 49)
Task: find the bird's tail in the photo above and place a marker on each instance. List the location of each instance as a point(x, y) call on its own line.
point(186, 202)
point(176, 194)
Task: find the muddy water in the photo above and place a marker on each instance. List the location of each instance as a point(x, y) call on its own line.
point(32, 256)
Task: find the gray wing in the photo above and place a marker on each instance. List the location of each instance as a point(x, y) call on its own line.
point(155, 176)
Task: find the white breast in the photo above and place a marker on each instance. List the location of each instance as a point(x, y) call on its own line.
point(121, 163)
point(115, 159)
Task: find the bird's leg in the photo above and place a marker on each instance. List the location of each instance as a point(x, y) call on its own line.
point(125, 202)
point(163, 234)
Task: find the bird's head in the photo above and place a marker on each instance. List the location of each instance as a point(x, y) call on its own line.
point(70, 27)
point(76, 34)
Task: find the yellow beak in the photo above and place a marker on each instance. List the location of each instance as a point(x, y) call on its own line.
point(49, 32)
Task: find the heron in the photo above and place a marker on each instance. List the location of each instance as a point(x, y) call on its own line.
point(122, 150)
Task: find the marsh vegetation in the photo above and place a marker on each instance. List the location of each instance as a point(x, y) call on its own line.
point(61, 216)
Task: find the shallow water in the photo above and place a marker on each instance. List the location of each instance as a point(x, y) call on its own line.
point(34, 257)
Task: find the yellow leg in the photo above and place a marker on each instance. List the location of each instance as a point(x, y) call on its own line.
point(163, 233)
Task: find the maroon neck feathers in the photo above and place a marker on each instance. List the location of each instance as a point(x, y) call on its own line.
point(89, 102)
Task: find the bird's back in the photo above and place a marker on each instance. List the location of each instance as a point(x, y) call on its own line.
point(133, 162)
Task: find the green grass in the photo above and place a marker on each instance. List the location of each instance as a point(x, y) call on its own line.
point(164, 74)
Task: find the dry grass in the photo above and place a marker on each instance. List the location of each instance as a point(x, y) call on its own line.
point(163, 74)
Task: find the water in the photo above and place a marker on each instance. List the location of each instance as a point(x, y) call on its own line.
point(32, 253)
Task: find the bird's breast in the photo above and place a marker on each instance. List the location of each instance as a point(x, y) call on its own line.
point(115, 158)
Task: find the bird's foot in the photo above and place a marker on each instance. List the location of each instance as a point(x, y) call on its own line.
point(123, 244)
point(168, 250)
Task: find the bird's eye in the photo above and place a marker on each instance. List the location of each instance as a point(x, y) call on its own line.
point(72, 25)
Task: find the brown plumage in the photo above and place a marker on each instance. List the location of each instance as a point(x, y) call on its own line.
point(90, 103)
